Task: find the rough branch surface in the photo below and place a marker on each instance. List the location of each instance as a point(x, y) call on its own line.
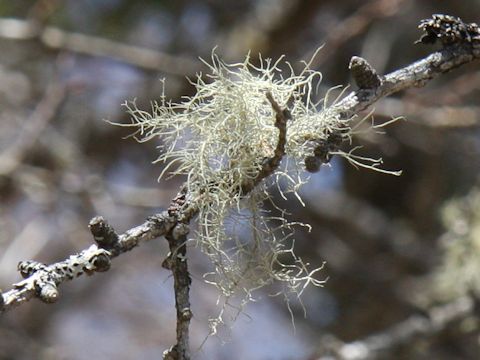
point(414, 75)
point(94, 259)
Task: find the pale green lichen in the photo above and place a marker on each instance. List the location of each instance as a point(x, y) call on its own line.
point(459, 272)
point(218, 138)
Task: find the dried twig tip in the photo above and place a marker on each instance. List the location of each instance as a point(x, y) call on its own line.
point(363, 73)
point(448, 30)
point(102, 232)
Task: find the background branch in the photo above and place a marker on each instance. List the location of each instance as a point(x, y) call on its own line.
point(375, 346)
point(56, 38)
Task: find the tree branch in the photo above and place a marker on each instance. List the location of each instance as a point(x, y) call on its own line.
point(415, 75)
point(42, 281)
point(269, 165)
point(56, 38)
point(37, 122)
point(374, 346)
point(176, 261)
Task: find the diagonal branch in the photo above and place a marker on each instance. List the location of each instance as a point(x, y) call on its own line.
point(416, 326)
point(58, 39)
point(417, 74)
point(42, 280)
point(269, 165)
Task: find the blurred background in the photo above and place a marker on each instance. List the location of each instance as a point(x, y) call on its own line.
point(397, 249)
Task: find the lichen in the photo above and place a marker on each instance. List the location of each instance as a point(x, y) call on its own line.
point(218, 138)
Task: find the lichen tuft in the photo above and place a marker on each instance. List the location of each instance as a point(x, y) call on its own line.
point(218, 139)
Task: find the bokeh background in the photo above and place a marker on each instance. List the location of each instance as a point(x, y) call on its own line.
point(395, 247)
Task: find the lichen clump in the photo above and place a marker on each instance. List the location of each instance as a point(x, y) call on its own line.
point(218, 138)
point(459, 272)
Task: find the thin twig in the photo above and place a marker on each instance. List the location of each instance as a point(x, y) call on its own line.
point(268, 26)
point(415, 75)
point(374, 346)
point(176, 261)
point(353, 25)
point(38, 121)
point(56, 38)
point(93, 259)
point(269, 165)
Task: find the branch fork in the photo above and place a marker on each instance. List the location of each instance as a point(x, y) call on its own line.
point(461, 44)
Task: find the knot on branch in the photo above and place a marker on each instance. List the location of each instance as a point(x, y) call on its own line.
point(177, 204)
point(322, 151)
point(28, 267)
point(176, 238)
point(88, 261)
point(364, 74)
point(47, 291)
point(101, 262)
point(186, 314)
point(171, 354)
point(39, 279)
point(180, 230)
point(448, 30)
point(103, 233)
